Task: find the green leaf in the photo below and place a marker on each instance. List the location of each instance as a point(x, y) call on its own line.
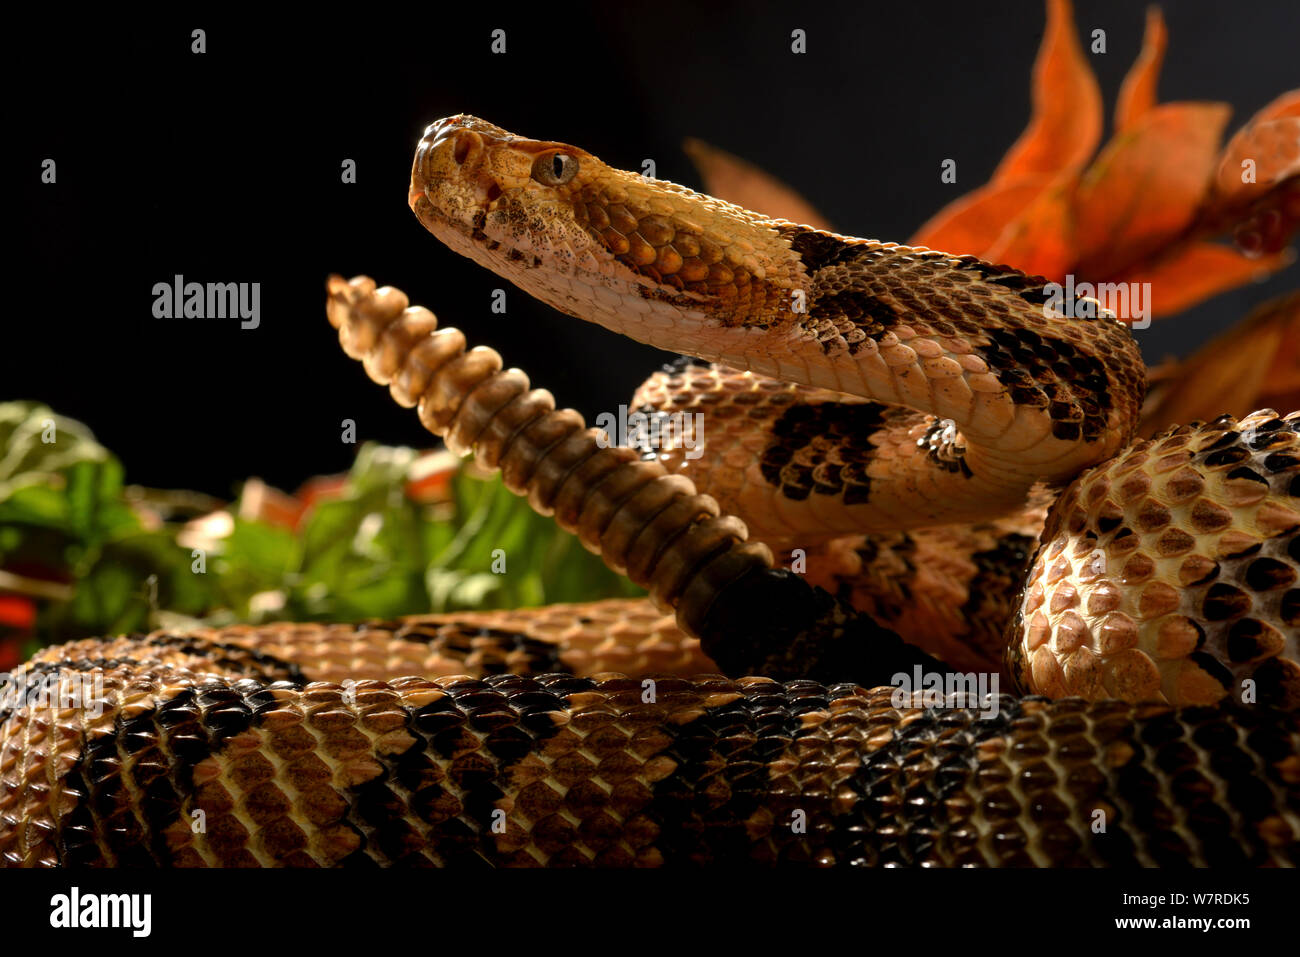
point(255, 557)
point(35, 504)
point(373, 553)
point(327, 540)
point(35, 440)
point(93, 493)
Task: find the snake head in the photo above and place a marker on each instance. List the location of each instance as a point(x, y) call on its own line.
point(647, 258)
point(503, 200)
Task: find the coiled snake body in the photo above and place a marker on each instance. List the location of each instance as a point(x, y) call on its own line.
point(931, 406)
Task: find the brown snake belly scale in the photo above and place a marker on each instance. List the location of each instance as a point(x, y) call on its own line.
point(323, 745)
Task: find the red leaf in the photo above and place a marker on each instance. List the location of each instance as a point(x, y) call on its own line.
point(322, 488)
point(1271, 141)
point(1137, 96)
point(429, 479)
point(1066, 125)
point(10, 654)
point(1146, 186)
point(973, 223)
point(17, 611)
point(1039, 241)
point(264, 503)
point(1235, 372)
point(1199, 271)
point(1281, 384)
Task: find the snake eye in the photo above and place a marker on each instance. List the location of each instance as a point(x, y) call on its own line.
point(555, 169)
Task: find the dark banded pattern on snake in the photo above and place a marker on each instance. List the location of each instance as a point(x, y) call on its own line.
point(606, 770)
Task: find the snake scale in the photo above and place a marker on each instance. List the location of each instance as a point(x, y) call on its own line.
point(901, 417)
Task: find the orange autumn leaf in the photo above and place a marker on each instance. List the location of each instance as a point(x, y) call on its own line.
point(973, 223)
point(1198, 272)
point(1207, 390)
point(1270, 143)
point(1288, 104)
point(730, 178)
point(1137, 96)
point(1161, 374)
point(1280, 389)
point(1039, 241)
point(1146, 186)
point(1066, 124)
point(1240, 371)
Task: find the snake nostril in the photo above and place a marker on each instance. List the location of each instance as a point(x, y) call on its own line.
point(493, 192)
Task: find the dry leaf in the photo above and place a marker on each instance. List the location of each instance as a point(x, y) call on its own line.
point(1066, 125)
point(1200, 271)
point(1271, 141)
point(973, 223)
point(730, 178)
point(1040, 241)
point(1238, 372)
point(1137, 97)
point(1281, 386)
point(1146, 186)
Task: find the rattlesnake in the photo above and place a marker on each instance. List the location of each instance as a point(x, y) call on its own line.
point(933, 403)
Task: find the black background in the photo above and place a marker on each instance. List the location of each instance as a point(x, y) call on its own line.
point(225, 167)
